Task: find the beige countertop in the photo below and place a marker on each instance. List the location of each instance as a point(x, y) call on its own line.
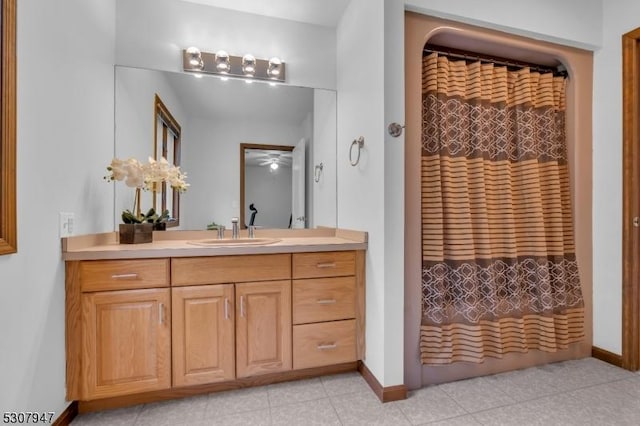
point(180, 244)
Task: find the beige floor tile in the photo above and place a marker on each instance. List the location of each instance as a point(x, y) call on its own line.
point(171, 413)
point(236, 401)
point(476, 394)
point(467, 420)
point(119, 417)
point(309, 413)
point(429, 404)
point(554, 410)
point(366, 409)
point(298, 391)
point(246, 418)
point(341, 384)
point(629, 386)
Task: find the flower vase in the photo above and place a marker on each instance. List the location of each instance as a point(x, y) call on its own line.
point(136, 233)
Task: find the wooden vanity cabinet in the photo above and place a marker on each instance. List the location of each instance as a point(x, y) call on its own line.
point(203, 334)
point(218, 337)
point(120, 339)
point(145, 326)
point(325, 295)
point(262, 316)
point(263, 327)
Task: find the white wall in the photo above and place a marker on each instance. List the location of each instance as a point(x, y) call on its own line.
point(271, 193)
point(575, 23)
point(324, 151)
point(211, 157)
point(65, 140)
point(394, 190)
point(619, 17)
point(361, 189)
point(152, 34)
point(135, 96)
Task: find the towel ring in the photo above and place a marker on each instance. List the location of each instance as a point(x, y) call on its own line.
point(360, 143)
point(317, 172)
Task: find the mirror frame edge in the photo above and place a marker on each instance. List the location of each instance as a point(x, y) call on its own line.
point(243, 147)
point(160, 109)
point(8, 144)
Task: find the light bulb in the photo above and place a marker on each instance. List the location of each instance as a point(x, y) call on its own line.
point(222, 61)
point(249, 65)
point(275, 65)
point(274, 166)
point(194, 55)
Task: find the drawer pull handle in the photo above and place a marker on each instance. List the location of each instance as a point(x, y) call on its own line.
point(327, 347)
point(326, 301)
point(326, 265)
point(161, 313)
point(226, 308)
point(124, 276)
point(242, 306)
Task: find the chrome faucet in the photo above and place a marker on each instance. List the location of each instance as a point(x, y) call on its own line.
point(220, 232)
point(234, 228)
point(252, 231)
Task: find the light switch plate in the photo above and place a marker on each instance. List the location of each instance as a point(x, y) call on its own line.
point(66, 224)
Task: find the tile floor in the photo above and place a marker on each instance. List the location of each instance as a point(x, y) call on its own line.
point(583, 392)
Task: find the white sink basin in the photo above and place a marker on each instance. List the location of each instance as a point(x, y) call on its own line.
point(227, 242)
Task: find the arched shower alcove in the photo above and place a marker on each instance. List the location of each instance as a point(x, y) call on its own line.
point(419, 30)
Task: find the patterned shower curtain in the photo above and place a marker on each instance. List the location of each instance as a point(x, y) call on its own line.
point(499, 271)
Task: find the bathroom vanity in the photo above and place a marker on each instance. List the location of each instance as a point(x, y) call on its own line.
point(184, 315)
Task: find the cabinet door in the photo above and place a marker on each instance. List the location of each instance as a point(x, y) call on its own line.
point(127, 342)
point(263, 327)
point(203, 334)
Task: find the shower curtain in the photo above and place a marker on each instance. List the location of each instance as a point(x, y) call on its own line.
point(499, 271)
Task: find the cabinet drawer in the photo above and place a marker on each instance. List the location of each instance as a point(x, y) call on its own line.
point(230, 269)
point(324, 264)
point(324, 299)
point(326, 343)
point(104, 275)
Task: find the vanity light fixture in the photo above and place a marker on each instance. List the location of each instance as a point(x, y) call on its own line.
point(246, 67)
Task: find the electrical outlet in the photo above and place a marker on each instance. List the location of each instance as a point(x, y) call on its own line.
point(66, 224)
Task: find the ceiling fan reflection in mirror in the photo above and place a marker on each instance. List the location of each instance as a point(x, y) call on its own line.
point(271, 158)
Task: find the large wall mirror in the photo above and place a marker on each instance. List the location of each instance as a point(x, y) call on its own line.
point(217, 118)
point(8, 232)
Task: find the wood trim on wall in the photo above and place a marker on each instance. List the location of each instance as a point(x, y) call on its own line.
point(384, 394)
point(8, 215)
point(606, 356)
point(630, 200)
point(169, 123)
point(66, 417)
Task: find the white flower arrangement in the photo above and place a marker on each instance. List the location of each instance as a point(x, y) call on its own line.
point(147, 177)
